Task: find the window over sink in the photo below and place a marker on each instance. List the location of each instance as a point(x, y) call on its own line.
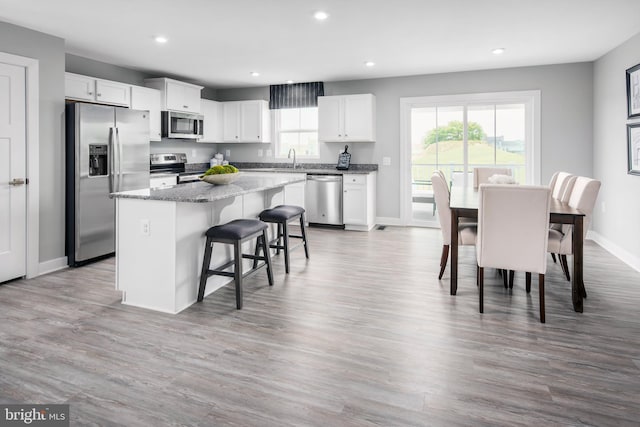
point(297, 128)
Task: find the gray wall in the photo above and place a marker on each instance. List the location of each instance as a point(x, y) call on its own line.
point(619, 192)
point(49, 51)
point(566, 118)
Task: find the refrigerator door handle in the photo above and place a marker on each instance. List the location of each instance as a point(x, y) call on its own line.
point(119, 171)
point(111, 162)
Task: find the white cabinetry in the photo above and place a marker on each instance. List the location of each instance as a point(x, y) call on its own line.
point(162, 180)
point(294, 194)
point(146, 98)
point(85, 88)
point(213, 121)
point(177, 95)
point(359, 201)
point(246, 121)
point(347, 118)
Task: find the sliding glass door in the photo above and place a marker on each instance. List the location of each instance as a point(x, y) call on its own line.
point(455, 135)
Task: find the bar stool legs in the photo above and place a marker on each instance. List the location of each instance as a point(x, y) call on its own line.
point(282, 215)
point(236, 233)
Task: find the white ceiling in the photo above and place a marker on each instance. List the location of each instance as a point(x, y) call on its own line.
point(219, 42)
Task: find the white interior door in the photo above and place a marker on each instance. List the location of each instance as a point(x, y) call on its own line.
point(13, 191)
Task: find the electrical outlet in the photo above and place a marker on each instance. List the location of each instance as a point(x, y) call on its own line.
point(227, 154)
point(386, 161)
point(145, 227)
point(193, 154)
point(269, 153)
point(259, 153)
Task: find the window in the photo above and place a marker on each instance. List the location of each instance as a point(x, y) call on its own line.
point(456, 133)
point(297, 128)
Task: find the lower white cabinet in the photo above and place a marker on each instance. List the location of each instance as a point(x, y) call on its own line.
point(359, 201)
point(294, 194)
point(146, 98)
point(163, 181)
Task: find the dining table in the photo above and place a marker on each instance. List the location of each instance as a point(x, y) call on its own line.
point(463, 203)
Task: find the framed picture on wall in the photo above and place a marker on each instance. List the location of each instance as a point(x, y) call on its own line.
point(633, 91)
point(633, 148)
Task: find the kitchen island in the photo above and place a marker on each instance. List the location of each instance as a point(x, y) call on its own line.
point(160, 235)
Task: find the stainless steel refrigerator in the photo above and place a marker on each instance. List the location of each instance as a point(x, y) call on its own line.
point(107, 150)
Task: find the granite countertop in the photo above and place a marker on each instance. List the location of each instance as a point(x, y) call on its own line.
point(309, 168)
point(201, 192)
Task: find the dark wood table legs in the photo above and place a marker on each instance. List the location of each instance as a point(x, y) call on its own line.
point(577, 284)
point(454, 252)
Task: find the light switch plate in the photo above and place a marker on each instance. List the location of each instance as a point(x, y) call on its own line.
point(193, 154)
point(260, 153)
point(227, 154)
point(269, 153)
point(386, 161)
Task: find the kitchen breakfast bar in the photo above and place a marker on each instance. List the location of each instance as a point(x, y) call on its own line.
point(160, 234)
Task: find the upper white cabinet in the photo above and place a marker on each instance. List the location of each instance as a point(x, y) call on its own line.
point(176, 95)
point(146, 98)
point(85, 88)
point(347, 118)
point(213, 121)
point(246, 121)
point(359, 201)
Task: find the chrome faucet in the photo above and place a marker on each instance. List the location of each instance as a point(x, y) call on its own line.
point(294, 156)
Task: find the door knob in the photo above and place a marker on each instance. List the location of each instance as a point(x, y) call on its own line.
point(18, 181)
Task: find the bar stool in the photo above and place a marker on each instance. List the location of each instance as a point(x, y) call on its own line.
point(235, 233)
point(282, 215)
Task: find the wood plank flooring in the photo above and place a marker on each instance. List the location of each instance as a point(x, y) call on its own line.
point(362, 334)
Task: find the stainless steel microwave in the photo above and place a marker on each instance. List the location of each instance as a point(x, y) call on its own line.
point(182, 125)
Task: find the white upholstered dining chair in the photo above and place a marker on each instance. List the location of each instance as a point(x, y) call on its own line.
point(561, 185)
point(583, 197)
point(466, 233)
point(513, 222)
point(481, 175)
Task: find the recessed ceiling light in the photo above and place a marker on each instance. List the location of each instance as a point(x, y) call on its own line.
point(320, 15)
point(369, 63)
point(289, 82)
point(255, 74)
point(161, 39)
point(498, 51)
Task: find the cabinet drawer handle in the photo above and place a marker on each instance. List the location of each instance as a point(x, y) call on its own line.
point(339, 135)
point(185, 106)
point(90, 93)
point(98, 94)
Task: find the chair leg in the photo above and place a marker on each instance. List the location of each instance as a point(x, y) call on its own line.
point(304, 236)
point(527, 279)
point(279, 237)
point(553, 257)
point(481, 288)
point(285, 236)
point(541, 292)
point(256, 252)
point(511, 277)
point(237, 253)
point(505, 279)
point(204, 274)
point(267, 255)
point(565, 264)
point(443, 260)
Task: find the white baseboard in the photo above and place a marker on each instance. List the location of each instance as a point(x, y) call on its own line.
point(52, 265)
point(622, 254)
point(381, 220)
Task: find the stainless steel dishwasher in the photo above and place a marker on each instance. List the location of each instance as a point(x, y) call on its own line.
point(323, 199)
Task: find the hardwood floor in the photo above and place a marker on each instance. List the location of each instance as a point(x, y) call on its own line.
point(362, 334)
